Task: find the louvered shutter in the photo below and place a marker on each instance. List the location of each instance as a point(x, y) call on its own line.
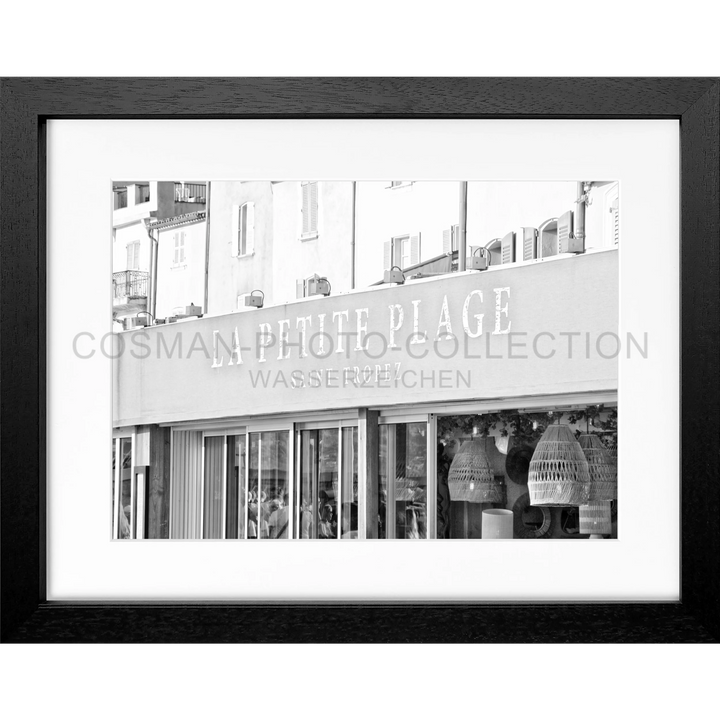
point(529, 243)
point(507, 249)
point(182, 246)
point(387, 254)
point(447, 241)
point(615, 209)
point(305, 209)
point(299, 288)
point(414, 249)
point(235, 232)
point(455, 237)
point(129, 265)
point(564, 231)
point(250, 228)
point(313, 207)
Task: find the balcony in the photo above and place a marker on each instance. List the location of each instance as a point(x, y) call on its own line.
point(130, 289)
point(190, 192)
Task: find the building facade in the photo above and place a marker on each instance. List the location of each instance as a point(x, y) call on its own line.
point(339, 416)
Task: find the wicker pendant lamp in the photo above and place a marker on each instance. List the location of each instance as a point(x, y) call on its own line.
point(596, 516)
point(471, 476)
point(559, 474)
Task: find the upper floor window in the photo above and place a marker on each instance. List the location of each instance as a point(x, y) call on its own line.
point(142, 194)
point(133, 256)
point(243, 232)
point(309, 209)
point(179, 249)
point(402, 251)
point(120, 197)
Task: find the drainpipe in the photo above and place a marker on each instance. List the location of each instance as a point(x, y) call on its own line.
point(207, 247)
point(462, 240)
point(152, 284)
point(352, 240)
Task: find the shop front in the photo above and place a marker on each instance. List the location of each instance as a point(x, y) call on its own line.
point(340, 417)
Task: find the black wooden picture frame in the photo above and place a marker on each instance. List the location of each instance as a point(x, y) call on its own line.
point(25, 106)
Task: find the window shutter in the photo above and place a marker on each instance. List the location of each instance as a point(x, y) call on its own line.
point(507, 249)
point(564, 230)
point(250, 243)
point(129, 264)
point(235, 237)
point(305, 209)
point(299, 288)
point(182, 246)
point(176, 248)
point(415, 249)
point(455, 237)
point(615, 209)
point(387, 254)
point(447, 241)
point(313, 207)
point(529, 243)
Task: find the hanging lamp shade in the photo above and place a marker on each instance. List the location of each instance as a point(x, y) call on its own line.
point(559, 474)
point(603, 469)
point(596, 518)
point(471, 477)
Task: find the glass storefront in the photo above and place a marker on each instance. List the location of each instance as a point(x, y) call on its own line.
point(402, 481)
point(303, 481)
point(328, 483)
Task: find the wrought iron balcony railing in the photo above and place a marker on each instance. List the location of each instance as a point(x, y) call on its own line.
point(130, 283)
point(190, 192)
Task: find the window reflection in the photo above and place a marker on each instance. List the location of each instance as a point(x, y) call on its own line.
point(268, 496)
point(402, 481)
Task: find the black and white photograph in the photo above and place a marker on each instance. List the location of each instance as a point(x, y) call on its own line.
point(372, 311)
point(310, 359)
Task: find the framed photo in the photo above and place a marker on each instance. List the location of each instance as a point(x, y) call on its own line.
point(249, 237)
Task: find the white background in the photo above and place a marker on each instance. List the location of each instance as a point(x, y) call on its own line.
point(643, 564)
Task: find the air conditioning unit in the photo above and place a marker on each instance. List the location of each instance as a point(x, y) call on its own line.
point(131, 323)
point(317, 285)
point(394, 275)
point(189, 311)
point(479, 260)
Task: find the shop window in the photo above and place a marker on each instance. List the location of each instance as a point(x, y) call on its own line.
point(328, 484)
point(402, 478)
point(269, 486)
point(127, 491)
point(235, 505)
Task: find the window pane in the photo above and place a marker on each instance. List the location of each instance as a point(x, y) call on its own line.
point(243, 230)
point(235, 503)
point(114, 509)
point(402, 479)
point(269, 495)
point(349, 483)
point(124, 506)
point(213, 487)
point(308, 483)
point(327, 484)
